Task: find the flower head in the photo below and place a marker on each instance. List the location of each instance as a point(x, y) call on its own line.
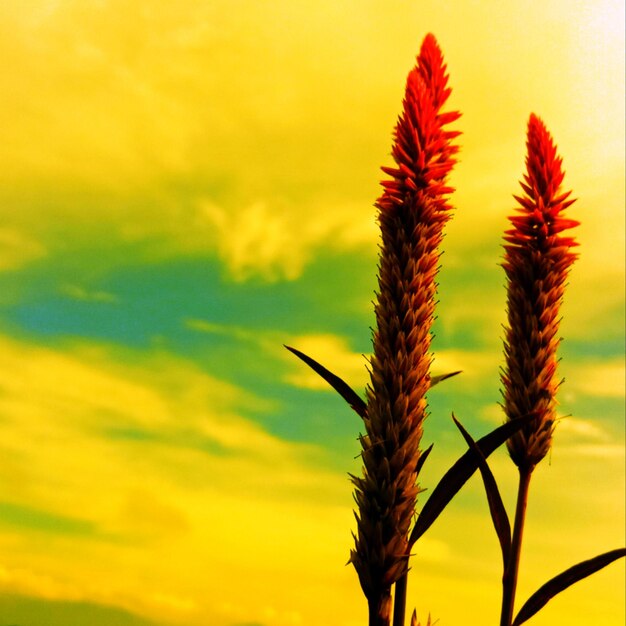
point(412, 212)
point(538, 256)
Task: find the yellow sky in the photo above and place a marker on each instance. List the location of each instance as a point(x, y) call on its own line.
point(253, 131)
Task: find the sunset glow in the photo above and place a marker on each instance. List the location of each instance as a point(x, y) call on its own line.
point(184, 188)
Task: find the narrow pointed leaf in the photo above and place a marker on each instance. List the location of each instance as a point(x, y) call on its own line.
point(564, 580)
point(435, 380)
point(340, 386)
point(422, 458)
point(496, 506)
point(460, 473)
point(414, 621)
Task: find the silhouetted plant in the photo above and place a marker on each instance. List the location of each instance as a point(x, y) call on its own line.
point(537, 260)
point(412, 212)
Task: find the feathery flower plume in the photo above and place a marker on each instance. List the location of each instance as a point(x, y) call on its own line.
point(537, 260)
point(412, 212)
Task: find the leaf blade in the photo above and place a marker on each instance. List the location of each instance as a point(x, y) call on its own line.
point(343, 389)
point(422, 458)
point(339, 385)
point(564, 580)
point(460, 473)
point(435, 380)
point(498, 512)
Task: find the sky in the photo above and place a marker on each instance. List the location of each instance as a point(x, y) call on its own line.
point(184, 188)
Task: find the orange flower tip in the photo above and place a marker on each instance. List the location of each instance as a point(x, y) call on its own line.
point(452, 134)
point(563, 224)
point(525, 187)
point(564, 205)
point(449, 117)
point(429, 45)
point(568, 242)
point(391, 171)
point(526, 204)
point(535, 121)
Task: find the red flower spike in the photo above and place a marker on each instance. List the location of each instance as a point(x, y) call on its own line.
point(537, 262)
point(413, 209)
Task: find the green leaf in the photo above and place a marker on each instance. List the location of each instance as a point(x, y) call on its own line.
point(496, 506)
point(460, 473)
point(564, 580)
point(340, 386)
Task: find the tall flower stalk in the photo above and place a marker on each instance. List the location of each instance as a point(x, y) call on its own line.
point(413, 210)
point(537, 260)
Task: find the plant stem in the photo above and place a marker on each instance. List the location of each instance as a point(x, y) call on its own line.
point(509, 578)
point(399, 600)
point(380, 610)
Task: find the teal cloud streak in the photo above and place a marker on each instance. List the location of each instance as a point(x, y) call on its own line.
point(29, 518)
point(17, 610)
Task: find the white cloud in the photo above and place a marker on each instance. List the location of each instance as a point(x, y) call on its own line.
point(257, 241)
point(275, 242)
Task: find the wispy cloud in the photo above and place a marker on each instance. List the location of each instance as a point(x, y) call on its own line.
point(276, 242)
point(197, 182)
point(158, 456)
point(18, 248)
point(24, 609)
point(77, 292)
point(258, 241)
point(588, 438)
point(595, 378)
point(272, 153)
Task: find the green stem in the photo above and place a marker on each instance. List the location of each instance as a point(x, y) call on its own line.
point(509, 578)
point(399, 601)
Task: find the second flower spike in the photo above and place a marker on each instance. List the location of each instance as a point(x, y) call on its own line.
point(537, 260)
